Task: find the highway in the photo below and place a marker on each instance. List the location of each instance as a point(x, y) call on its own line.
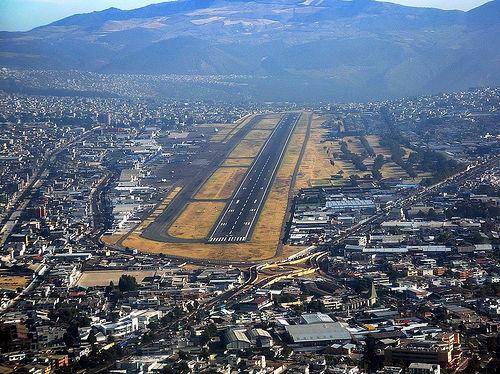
point(239, 217)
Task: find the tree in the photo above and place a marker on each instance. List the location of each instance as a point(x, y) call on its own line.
point(209, 332)
point(353, 179)
point(315, 306)
point(287, 351)
point(92, 338)
point(127, 283)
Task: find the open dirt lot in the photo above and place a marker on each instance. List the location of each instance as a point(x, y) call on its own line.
point(196, 220)
point(222, 183)
point(12, 282)
point(103, 277)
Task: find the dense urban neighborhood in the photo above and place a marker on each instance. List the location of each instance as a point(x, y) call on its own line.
point(372, 246)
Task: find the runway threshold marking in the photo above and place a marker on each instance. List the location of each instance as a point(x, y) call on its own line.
point(295, 118)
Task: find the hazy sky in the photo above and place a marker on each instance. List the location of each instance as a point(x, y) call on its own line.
point(26, 14)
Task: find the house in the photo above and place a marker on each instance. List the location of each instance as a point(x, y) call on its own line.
point(260, 338)
point(236, 339)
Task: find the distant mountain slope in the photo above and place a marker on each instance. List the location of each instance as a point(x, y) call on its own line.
point(337, 49)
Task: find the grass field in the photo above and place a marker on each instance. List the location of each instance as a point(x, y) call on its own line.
point(374, 141)
point(222, 183)
point(103, 277)
point(13, 282)
point(269, 122)
point(392, 170)
point(238, 162)
point(111, 239)
point(266, 236)
point(255, 139)
point(258, 134)
point(247, 148)
point(196, 220)
point(354, 145)
point(317, 168)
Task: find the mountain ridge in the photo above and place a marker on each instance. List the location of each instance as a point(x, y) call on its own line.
point(373, 48)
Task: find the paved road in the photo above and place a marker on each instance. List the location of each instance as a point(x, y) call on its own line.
point(237, 222)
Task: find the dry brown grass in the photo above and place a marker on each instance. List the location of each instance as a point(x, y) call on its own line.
point(265, 239)
point(390, 169)
point(354, 145)
point(258, 134)
point(255, 139)
point(315, 164)
point(222, 183)
point(111, 239)
point(238, 162)
point(317, 168)
point(103, 277)
point(247, 148)
point(13, 282)
point(393, 170)
point(196, 220)
point(289, 250)
point(374, 141)
point(269, 122)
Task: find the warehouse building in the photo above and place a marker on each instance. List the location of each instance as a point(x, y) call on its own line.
point(318, 334)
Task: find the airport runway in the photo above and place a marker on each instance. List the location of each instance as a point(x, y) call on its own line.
point(238, 219)
point(157, 230)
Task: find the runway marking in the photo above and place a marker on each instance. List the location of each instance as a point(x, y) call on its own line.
point(250, 177)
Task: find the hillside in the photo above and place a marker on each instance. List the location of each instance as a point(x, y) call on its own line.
point(326, 48)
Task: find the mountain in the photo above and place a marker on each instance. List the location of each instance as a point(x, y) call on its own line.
point(313, 49)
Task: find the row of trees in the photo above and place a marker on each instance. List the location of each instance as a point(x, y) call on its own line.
point(377, 166)
point(368, 148)
point(356, 159)
point(436, 163)
point(393, 143)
